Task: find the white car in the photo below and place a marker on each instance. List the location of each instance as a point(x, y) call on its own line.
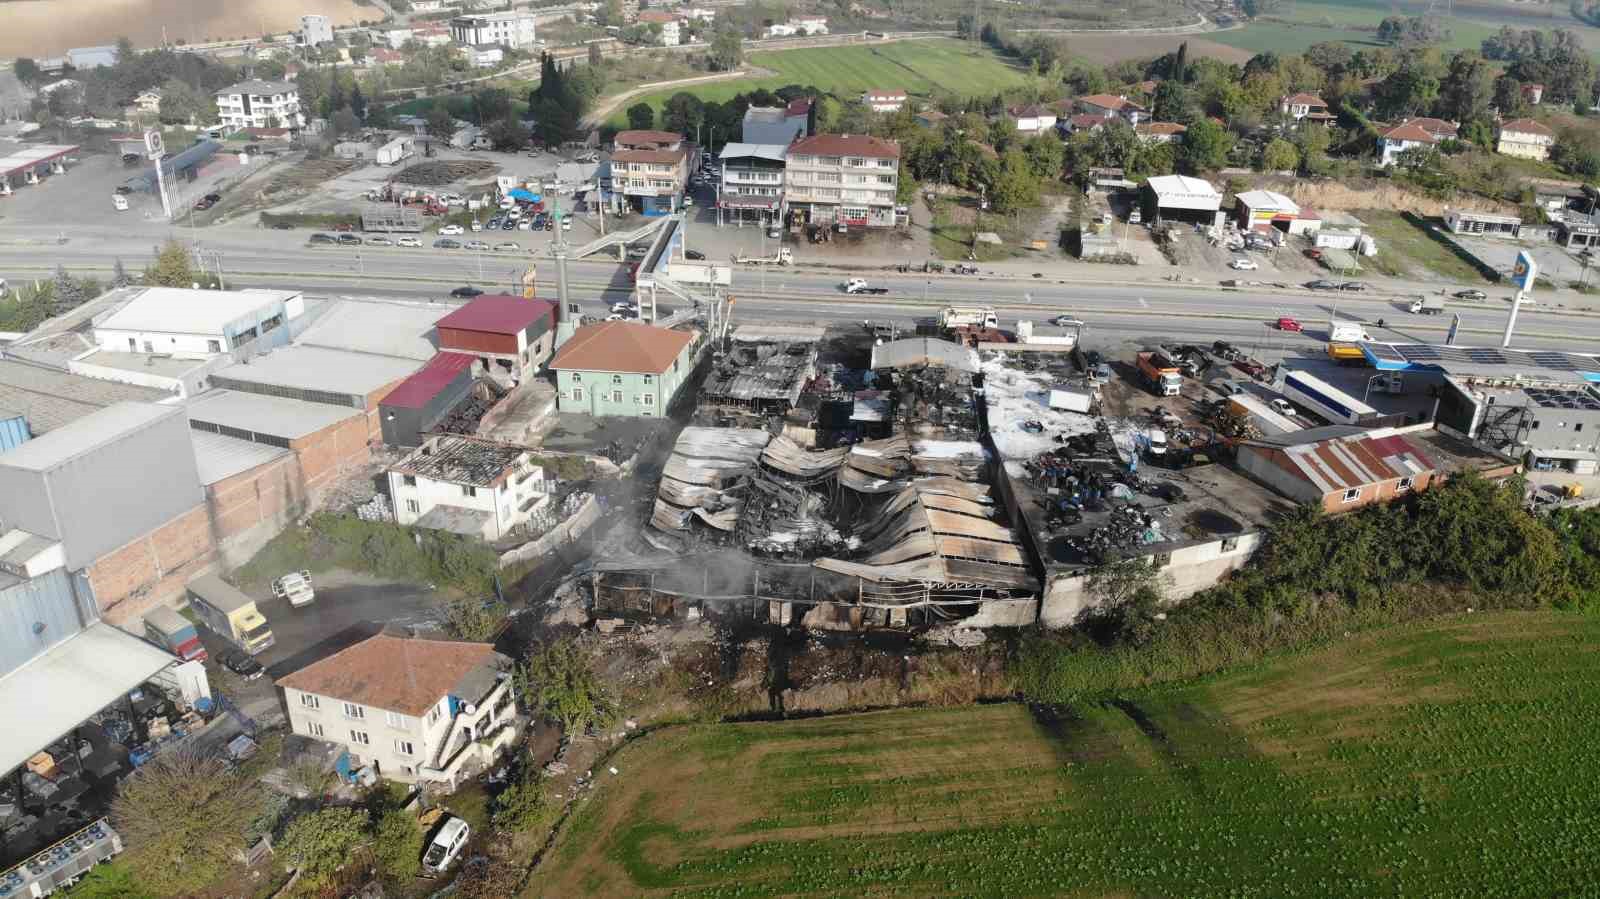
point(446, 845)
point(1282, 407)
point(1244, 265)
point(688, 200)
point(408, 242)
point(477, 225)
point(380, 242)
point(452, 230)
point(1158, 442)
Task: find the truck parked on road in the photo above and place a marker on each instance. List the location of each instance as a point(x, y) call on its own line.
point(784, 256)
point(1428, 306)
point(859, 285)
point(1160, 374)
point(230, 614)
point(1347, 332)
point(968, 317)
point(1346, 353)
point(174, 633)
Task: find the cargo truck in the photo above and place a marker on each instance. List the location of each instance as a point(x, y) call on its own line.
point(1347, 332)
point(230, 614)
point(968, 317)
point(1160, 374)
point(1346, 354)
point(174, 633)
point(1428, 306)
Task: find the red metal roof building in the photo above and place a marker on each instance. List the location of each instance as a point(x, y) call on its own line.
point(510, 335)
point(1339, 468)
point(422, 400)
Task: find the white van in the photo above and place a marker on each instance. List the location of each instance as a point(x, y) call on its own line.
point(446, 846)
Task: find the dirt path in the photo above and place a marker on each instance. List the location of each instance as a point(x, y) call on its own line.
point(608, 105)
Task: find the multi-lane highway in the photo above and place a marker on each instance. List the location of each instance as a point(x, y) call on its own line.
point(1124, 311)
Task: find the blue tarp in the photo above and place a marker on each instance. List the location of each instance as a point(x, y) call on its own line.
point(527, 196)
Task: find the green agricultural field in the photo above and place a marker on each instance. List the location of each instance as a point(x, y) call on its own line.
point(920, 68)
point(1298, 24)
point(1450, 758)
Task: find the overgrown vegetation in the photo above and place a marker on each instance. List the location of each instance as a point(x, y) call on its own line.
point(329, 540)
point(183, 817)
point(560, 683)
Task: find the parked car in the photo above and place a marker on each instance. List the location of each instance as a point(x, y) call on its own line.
point(525, 225)
point(566, 222)
point(1357, 286)
point(446, 846)
point(477, 245)
point(323, 238)
point(452, 229)
point(466, 293)
point(476, 225)
point(408, 242)
point(508, 246)
point(350, 240)
point(1470, 294)
point(1281, 406)
point(1285, 323)
point(1244, 265)
point(1227, 387)
point(1061, 321)
point(1250, 367)
point(239, 662)
point(509, 224)
point(380, 242)
point(694, 255)
point(636, 252)
point(447, 244)
point(1322, 284)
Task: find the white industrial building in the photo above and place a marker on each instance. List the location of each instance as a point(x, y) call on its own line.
point(191, 324)
point(468, 486)
point(1181, 198)
point(509, 29)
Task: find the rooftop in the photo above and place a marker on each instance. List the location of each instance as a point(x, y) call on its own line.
point(400, 674)
point(105, 426)
point(415, 392)
point(404, 330)
point(1268, 199)
point(52, 399)
point(1487, 362)
point(645, 138)
point(621, 346)
point(647, 155)
point(499, 313)
point(846, 145)
point(257, 86)
point(1527, 126)
point(219, 457)
point(1333, 459)
point(319, 369)
point(773, 152)
point(180, 310)
point(1305, 99)
point(462, 460)
point(160, 364)
point(1110, 101)
point(765, 371)
point(272, 416)
point(1180, 189)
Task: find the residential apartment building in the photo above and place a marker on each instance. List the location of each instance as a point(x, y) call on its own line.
point(671, 35)
point(843, 178)
point(1525, 139)
point(260, 104)
point(1412, 134)
point(752, 184)
point(884, 100)
point(650, 169)
point(412, 709)
point(467, 486)
point(509, 29)
point(484, 56)
point(315, 30)
point(622, 368)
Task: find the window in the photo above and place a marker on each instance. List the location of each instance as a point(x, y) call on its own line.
point(149, 347)
point(577, 394)
point(1353, 494)
point(801, 160)
point(828, 160)
point(616, 379)
point(410, 480)
point(213, 346)
point(396, 719)
point(1405, 484)
point(309, 701)
point(468, 490)
point(404, 747)
point(351, 710)
point(577, 376)
point(649, 399)
point(360, 736)
point(616, 396)
point(133, 345)
point(414, 507)
point(313, 728)
point(649, 379)
point(1229, 544)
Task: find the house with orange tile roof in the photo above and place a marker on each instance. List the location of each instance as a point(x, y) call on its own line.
point(623, 368)
point(1411, 134)
point(1525, 139)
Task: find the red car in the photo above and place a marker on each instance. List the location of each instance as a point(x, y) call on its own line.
point(1288, 324)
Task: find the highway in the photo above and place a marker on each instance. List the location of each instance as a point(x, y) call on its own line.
point(1129, 312)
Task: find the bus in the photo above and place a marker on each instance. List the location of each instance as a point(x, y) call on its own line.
point(229, 614)
point(1327, 401)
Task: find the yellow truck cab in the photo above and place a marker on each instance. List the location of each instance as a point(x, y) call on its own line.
point(229, 614)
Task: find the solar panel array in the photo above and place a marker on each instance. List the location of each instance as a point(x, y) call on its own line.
point(1563, 399)
point(1449, 356)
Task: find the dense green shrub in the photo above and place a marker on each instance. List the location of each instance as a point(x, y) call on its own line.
point(329, 540)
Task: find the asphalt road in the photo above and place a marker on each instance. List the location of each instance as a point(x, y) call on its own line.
point(1120, 311)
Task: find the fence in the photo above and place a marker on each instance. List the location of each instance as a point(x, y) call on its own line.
point(558, 536)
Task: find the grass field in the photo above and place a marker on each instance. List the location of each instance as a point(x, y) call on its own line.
point(1405, 249)
point(1298, 24)
point(920, 68)
point(1452, 758)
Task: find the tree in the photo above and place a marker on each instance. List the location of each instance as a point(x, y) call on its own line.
point(727, 49)
point(1014, 186)
point(1127, 594)
point(26, 70)
point(182, 104)
point(559, 683)
point(70, 292)
point(506, 134)
point(119, 275)
point(1206, 145)
point(596, 58)
point(358, 101)
point(172, 267)
point(441, 124)
point(641, 117)
point(1467, 89)
point(320, 843)
point(488, 877)
point(397, 843)
point(344, 123)
point(491, 104)
point(1279, 156)
point(183, 817)
point(1509, 100)
point(1045, 156)
point(523, 805)
point(682, 113)
point(1171, 103)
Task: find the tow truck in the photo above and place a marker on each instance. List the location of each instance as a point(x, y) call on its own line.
point(784, 256)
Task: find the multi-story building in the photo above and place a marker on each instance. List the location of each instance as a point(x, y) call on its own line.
point(1412, 134)
point(1525, 138)
point(1304, 107)
point(843, 178)
point(412, 709)
point(260, 104)
point(650, 169)
point(467, 486)
point(622, 368)
point(315, 30)
point(484, 56)
point(510, 29)
point(511, 336)
point(1108, 106)
point(670, 35)
point(752, 184)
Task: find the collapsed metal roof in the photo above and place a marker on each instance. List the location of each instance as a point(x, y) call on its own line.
point(915, 352)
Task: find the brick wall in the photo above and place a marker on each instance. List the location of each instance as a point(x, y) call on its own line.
point(329, 453)
point(1381, 492)
point(250, 508)
point(152, 569)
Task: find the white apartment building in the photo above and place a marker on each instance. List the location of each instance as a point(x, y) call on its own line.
point(752, 184)
point(1524, 138)
point(260, 104)
point(510, 29)
point(883, 101)
point(196, 324)
point(843, 178)
point(468, 486)
point(315, 30)
point(412, 709)
point(650, 169)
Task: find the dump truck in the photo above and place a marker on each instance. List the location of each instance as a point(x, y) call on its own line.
point(1346, 353)
point(1428, 306)
point(1160, 374)
point(1347, 332)
point(968, 317)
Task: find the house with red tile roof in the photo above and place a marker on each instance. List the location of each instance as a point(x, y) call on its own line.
point(622, 368)
point(1339, 468)
point(1110, 106)
point(848, 178)
point(1525, 139)
point(1160, 132)
point(1304, 107)
point(1410, 134)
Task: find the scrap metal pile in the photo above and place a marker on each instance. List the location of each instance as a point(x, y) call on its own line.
point(760, 378)
point(466, 415)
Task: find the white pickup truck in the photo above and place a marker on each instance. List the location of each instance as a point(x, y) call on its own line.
point(295, 587)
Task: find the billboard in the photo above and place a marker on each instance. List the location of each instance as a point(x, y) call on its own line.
point(1525, 271)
